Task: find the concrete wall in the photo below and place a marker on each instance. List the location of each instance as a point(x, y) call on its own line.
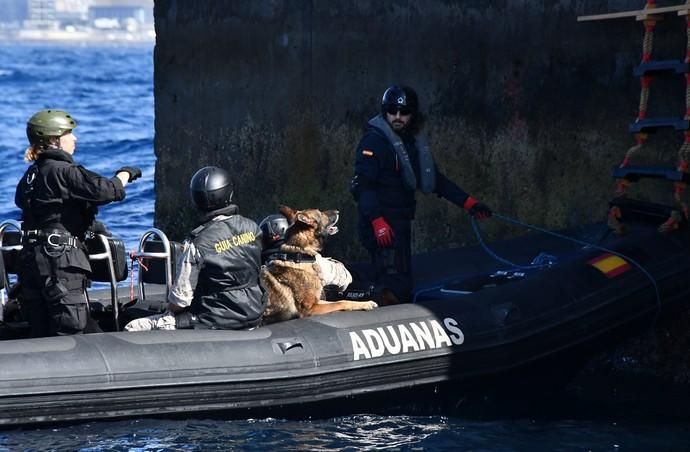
point(528, 109)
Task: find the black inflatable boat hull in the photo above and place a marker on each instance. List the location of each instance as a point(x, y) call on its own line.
point(452, 334)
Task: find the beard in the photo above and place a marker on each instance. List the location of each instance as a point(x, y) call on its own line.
point(398, 125)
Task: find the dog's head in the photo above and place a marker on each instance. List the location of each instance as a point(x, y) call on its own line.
point(308, 228)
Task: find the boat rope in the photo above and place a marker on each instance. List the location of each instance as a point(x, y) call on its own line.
point(563, 237)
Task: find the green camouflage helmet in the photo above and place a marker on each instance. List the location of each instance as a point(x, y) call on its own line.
point(48, 123)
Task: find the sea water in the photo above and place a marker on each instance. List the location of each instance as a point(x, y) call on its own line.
point(109, 90)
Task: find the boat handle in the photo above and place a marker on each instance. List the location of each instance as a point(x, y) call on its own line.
point(286, 347)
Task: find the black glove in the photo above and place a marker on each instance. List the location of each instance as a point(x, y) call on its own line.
point(133, 171)
point(476, 209)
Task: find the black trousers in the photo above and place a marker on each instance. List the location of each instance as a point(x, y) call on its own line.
point(393, 266)
point(64, 316)
point(55, 319)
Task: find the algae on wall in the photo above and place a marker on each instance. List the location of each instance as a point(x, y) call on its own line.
point(526, 108)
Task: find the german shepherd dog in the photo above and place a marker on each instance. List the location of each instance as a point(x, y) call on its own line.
point(291, 280)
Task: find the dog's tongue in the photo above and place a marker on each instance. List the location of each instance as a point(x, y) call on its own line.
point(332, 230)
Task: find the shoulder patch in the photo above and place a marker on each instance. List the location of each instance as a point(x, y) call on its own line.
point(367, 152)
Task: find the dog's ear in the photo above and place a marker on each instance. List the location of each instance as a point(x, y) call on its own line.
point(306, 219)
point(288, 212)
point(333, 216)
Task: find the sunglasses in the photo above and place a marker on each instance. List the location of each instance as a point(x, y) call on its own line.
point(392, 110)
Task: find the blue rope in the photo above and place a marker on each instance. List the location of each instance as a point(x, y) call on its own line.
point(537, 263)
point(564, 237)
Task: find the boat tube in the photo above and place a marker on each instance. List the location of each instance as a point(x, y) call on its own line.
point(473, 321)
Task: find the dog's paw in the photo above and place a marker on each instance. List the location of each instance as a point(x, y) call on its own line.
point(368, 305)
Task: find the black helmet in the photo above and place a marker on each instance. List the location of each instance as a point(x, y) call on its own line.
point(273, 229)
point(47, 124)
point(211, 188)
point(399, 96)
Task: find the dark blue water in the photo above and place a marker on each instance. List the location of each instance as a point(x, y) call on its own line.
point(110, 92)
point(352, 433)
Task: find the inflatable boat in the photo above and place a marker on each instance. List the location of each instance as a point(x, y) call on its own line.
point(475, 322)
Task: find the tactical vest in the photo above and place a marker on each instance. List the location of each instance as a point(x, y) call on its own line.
point(228, 295)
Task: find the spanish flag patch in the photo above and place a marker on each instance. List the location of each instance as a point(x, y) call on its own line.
point(610, 265)
point(367, 152)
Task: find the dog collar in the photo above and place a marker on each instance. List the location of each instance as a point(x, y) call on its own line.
point(292, 257)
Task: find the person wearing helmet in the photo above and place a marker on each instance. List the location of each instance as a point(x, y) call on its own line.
point(59, 201)
point(217, 282)
point(392, 162)
point(335, 277)
point(273, 229)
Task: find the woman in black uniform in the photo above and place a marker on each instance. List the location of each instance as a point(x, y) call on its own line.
point(59, 200)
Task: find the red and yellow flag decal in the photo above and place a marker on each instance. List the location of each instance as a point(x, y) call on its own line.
point(610, 265)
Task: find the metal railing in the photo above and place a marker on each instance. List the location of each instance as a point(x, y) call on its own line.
point(108, 257)
point(165, 255)
point(4, 226)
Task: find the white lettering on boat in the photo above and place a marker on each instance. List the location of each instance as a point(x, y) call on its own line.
point(405, 338)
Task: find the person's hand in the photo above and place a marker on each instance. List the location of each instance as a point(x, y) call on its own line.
point(133, 172)
point(476, 209)
point(383, 232)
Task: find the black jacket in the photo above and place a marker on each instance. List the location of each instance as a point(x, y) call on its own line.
point(56, 193)
point(380, 189)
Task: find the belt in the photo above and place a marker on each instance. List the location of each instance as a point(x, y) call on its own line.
point(49, 237)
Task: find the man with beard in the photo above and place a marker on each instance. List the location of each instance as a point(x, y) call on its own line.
point(393, 160)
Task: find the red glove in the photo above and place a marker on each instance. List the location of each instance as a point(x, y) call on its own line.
point(383, 232)
point(476, 209)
